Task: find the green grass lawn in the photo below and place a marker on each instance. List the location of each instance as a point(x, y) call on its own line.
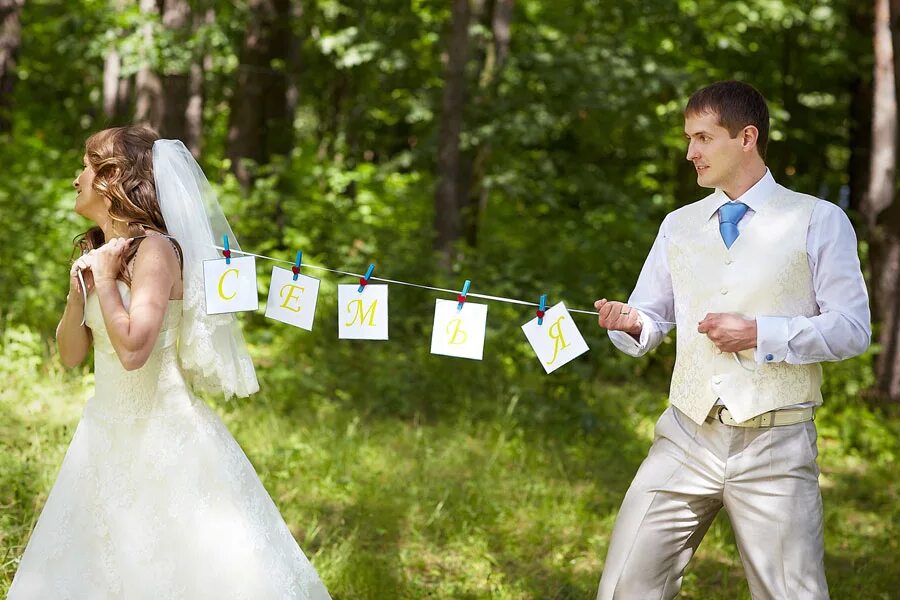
point(487, 506)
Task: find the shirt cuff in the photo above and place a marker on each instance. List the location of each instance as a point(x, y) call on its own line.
point(772, 334)
point(627, 343)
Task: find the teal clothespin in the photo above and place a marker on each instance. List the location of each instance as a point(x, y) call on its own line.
point(363, 282)
point(296, 268)
point(461, 298)
point(542, 310)
point(227, 252)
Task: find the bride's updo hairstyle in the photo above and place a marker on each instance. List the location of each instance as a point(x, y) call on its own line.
point(122, 160)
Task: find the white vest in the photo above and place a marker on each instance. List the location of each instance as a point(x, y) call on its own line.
point(764, 273)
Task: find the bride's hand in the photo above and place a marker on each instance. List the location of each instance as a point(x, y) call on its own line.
point(83, 263)
point(107, 259)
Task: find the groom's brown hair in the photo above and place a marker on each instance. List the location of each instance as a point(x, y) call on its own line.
point(737, 104)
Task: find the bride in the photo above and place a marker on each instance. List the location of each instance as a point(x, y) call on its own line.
point(154, 498)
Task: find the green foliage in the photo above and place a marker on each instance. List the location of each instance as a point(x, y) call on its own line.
point(402, 472)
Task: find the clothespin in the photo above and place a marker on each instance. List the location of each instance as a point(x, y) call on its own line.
point(364, 281)
point(227, 252)
point(542, 310)
point(296, 268)
point(461, 298)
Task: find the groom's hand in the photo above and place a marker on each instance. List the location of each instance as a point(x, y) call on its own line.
point(729, 332)
point(618, 316)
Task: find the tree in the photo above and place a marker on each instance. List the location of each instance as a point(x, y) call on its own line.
point(148, 85)
point(448, 220)
point(201, 63)
point(260, 124)
point(472, 194)
point(880, 209)
point(116, 85)
point(176, 80)
point(10, 39)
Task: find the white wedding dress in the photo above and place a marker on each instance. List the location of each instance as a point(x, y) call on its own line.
point(155, 499)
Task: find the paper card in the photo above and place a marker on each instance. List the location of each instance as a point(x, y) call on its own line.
point(459, 333)
point(231, 287)
point(292, 302)
point(363, 315)
point(558, 340)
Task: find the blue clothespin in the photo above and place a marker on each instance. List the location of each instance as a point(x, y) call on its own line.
point(365, 280)
point(296, 268)
point(227, 252)
point(461, 299)
point(541, 311)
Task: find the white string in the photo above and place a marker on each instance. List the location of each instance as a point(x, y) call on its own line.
point(382, 279)
point(304, 265)
point(395, 282)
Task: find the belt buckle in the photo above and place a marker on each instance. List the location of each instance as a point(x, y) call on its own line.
point(719, 413)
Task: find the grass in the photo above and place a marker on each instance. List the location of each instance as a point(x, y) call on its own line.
point(459, 506)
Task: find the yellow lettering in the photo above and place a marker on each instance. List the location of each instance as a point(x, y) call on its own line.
point(458, 336)
point(559, 342)
point(222, 281)
point(362, 315)
point(291, 288)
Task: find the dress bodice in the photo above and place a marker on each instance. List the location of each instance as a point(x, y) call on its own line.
point(156, 388)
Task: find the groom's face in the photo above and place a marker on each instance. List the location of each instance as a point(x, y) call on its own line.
point(716, 155)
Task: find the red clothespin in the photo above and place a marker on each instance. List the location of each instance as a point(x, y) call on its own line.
point(296, 268)
point(461, 298)
point(227, 252)
point(364, 281)
point(542, 310)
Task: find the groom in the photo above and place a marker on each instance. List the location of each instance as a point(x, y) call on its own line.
point(764, 283)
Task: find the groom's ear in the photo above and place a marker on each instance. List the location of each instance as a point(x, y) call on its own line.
point(749, 136)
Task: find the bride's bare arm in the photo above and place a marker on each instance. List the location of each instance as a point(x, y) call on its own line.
point(133, 332)
point(73, 340)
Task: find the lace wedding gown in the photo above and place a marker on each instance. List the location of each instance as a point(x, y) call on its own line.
point(155, 499)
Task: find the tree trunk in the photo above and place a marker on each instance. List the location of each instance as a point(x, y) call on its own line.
point(473, 194)
point(259, 123)
point(860, 127)
point(200, 65)
point(881, 211)
point(500, 25)
point(148, 86)
point(112, 68)
point(860, 139)
point(10, 40)
point(116, 89)
point(176, 90)
point(448, 223)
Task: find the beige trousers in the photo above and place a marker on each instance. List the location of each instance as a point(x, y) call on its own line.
point(767, 480)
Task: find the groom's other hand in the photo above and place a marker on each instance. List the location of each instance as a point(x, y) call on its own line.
point(729, 332)
point(618, 316)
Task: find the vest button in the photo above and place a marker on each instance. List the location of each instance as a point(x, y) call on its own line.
point(724, 291)
point(717, 380)
point(728, 261)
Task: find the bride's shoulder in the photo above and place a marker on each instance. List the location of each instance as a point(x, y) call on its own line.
point(157, 255)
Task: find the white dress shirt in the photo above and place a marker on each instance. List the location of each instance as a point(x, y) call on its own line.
point(841, 330)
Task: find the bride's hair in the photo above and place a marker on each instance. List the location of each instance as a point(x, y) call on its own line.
point(122, 160)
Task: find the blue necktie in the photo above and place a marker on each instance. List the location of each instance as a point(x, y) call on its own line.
point(729, 215)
